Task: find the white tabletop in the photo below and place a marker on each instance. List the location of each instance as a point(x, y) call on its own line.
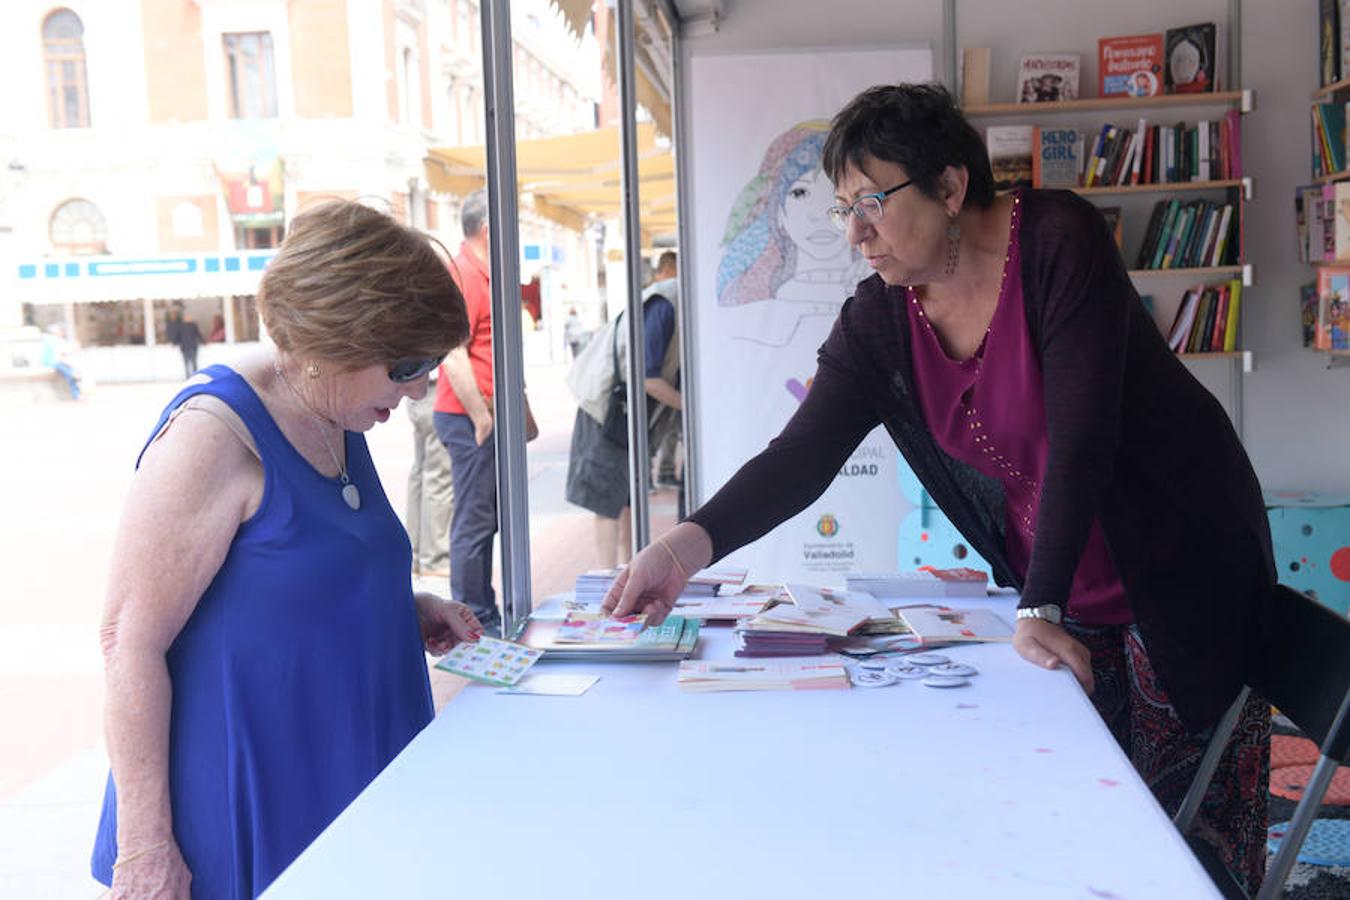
point(1010, 787)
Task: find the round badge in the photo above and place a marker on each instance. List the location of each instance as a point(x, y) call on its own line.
point(927, 659)
point(869, 678)
point(905, 670)
point(945, 681)
point(872, 664)
point(961, 670)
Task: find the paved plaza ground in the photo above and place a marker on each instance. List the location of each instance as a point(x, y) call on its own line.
point(64, 469)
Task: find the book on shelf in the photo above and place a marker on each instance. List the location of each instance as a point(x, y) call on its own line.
point(800, 674)
point(1047, 77)
point(941, 624)
point(1189, 58)
point(1332, 328)
point(1329, 41)
point(1207, 319)
point(1343, 17)
point(1130, 66)
point(1057, 157)
point(1307, 301)
point(1143, 153)
point(1189, 234)
point(1010, 155)
point(1328, 138)
point(975, 76)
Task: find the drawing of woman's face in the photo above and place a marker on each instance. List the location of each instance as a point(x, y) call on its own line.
point(803, 217)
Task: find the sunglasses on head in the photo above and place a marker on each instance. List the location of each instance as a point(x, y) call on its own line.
point(406, 370)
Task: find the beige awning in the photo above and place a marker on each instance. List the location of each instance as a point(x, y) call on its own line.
point(573, 179)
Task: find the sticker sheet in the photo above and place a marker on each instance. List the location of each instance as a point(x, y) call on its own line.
point(491, 660)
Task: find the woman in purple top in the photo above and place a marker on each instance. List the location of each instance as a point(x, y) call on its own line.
point(1001, 343)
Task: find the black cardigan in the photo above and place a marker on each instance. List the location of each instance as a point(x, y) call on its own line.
point(1134, 440)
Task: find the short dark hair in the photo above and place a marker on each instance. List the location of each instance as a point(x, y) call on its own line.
point(473, 214)
point(913, 125)
point(666, 259)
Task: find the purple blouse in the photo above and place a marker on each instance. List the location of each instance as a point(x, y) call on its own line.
point(989, 412)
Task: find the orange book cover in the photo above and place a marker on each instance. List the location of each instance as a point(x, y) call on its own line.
point(1130, 66)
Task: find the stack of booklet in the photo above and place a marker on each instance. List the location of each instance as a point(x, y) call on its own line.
point(802, 620)
point(728, 607)
point(592, 586)
point(775, 675)
point(929, 582)
point(941, 625)
point(587, 636)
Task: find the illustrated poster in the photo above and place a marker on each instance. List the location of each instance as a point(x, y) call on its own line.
point(771, 274)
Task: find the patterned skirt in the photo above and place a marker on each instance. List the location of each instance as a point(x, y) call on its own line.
point(1232, 816)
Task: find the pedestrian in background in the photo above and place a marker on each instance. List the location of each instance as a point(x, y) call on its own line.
point(431, 490)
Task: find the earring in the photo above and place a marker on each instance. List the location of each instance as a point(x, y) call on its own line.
point(312, 370)
point(953, 246)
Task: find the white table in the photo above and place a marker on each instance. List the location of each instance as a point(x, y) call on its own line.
point(1011, 787)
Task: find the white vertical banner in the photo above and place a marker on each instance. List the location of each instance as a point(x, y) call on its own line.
point(771, 274)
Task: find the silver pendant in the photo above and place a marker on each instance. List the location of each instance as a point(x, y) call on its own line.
point(351, 495)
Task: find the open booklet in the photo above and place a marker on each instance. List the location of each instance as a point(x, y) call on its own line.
point(819, 611)
point(674, 639)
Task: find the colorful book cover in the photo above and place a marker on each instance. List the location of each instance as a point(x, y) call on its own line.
point(1230, 332)
point(1047, 77)
point(588, 628)
point(1189, 61)
point(1130, 66)
point(1057, 160)
point(1010, 154)
point(1333, 295)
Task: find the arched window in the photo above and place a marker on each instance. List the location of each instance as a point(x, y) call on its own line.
point(77, 227)
point(67, 81)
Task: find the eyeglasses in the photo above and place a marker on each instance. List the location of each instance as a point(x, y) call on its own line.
point(406, 370)
point(867, 208)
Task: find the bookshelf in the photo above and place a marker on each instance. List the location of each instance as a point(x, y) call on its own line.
point(1334, 60)
point(1133, 204)
point(1244, 101)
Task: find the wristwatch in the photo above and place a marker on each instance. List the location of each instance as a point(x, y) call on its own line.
point(1049, 612)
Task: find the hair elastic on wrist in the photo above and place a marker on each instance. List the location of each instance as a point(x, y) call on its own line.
point(679, 567)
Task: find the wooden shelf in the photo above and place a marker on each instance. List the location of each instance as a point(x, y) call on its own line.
point(1163, 187)
point(1332, 178)
point(1208, 272)
point(1091, 104)
point(1215, 354)
point(1321, 93)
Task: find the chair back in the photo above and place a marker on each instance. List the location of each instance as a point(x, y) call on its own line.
point(1306, 670)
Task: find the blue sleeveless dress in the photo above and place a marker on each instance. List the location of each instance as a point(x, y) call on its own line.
point(299, 675)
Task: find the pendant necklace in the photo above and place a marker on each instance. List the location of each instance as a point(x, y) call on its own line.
point(350, 494)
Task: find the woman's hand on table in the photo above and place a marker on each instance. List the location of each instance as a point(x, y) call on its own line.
point(653, 580)
point(445, 623)
point(155, 873)
point(1049, 645)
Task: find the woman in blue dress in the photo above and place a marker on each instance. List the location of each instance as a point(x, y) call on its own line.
point(263, 645)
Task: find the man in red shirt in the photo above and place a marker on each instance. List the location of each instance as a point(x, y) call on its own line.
point(463, 420)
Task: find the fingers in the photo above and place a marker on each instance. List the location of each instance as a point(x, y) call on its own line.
point(1050, 647)
point(614, 599)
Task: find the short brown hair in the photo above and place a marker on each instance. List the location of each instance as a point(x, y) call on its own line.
point(354, 287)
point(913, 125)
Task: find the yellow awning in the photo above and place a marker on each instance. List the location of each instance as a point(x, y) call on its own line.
point(572, 179)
